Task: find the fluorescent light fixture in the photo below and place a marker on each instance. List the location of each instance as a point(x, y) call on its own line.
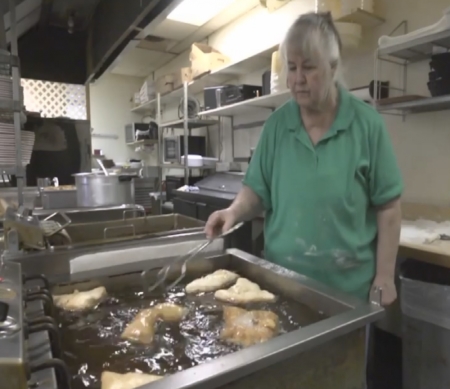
point(198, 12)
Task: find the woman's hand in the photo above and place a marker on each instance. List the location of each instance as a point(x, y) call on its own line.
point(219, 222)
point(388, 289)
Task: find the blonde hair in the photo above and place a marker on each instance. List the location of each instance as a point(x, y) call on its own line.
point(314, 36)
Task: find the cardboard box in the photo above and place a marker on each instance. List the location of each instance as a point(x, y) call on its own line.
point(147, 91)
point(164, 84)
point(182, 76)
point(204, 59)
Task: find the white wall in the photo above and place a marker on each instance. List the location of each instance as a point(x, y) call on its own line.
point(110, 105)
point(422, 142)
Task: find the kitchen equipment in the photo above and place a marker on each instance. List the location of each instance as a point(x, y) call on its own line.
point(183, 260)
point(174, 147)
point(440, 87)
point(193, 106)
point(142, 188)
point(266, 77)
point(193, 160)
point(99, 190)
point(29, 233)
point(173, 183)
point(216, 192)
point(30, 349)
point(328, 353)
point(55, 198)
point(23, 231)
point(141, 131)
point(440, 63)
point(218, 96)
point(92, 215)
point(99, 161)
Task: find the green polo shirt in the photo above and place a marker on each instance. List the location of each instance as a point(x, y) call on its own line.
point(321, 200)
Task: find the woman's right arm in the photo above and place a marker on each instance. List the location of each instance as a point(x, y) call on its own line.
point(246, 206)
point(254, 197)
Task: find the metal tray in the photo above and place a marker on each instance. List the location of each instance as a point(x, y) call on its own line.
point(61, 264)
point(117, 230)
point(327, 355)
point(90, 215)
point(56, 199)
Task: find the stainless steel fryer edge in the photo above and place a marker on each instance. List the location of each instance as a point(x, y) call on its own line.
point(56, 264)
point(215, 374)
point(231, 367)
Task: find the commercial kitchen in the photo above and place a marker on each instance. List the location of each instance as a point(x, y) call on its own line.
point(125, 125)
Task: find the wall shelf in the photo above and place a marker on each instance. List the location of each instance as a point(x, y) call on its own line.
point(363, 18)
point(417, 49)
point(9, 105)
point(213, 78)
point(192, 123)
point(271, 101)
point(145, 107)
point(180, 166)
point(430, 104)
point(9, 170)
point(143, 142)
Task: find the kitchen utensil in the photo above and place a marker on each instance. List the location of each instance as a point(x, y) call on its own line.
point(162, 274)
point(98, 190)
point(100, 162)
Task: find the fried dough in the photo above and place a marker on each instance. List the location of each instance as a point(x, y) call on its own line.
point(244, 292)
point(246, 328)
point(142, 328)
point(79, 301)
point(112, 380)
point(212, 282)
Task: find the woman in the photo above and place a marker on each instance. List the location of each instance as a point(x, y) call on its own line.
point(325, 174)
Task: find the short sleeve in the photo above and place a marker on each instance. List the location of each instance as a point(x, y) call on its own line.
point(259, 172)
point(385, 180)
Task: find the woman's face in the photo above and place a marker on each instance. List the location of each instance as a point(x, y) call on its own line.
point(306, 80)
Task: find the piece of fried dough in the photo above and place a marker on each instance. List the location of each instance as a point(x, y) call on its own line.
point(212, 282)
point(112, 380)
point(142, 328)
point(79, 301)
point(246, 328)
point(244, 292)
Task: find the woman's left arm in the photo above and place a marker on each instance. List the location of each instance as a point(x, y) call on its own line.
point(386, 187)
point(389, 219)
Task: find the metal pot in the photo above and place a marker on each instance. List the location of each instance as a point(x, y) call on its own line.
point(98, 190)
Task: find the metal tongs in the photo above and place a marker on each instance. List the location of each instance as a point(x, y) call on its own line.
point(163, 273)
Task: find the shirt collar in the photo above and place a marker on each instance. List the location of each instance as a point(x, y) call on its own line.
point(343, 120)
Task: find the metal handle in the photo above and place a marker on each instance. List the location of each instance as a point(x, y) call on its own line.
point(133, 210)
point(99, 161)
point(117, 228)
point(231, 230)
point(375, 296)
point(64, 216)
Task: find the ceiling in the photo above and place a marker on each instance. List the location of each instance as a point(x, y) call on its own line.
point(54, 13)
point(163, 40)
